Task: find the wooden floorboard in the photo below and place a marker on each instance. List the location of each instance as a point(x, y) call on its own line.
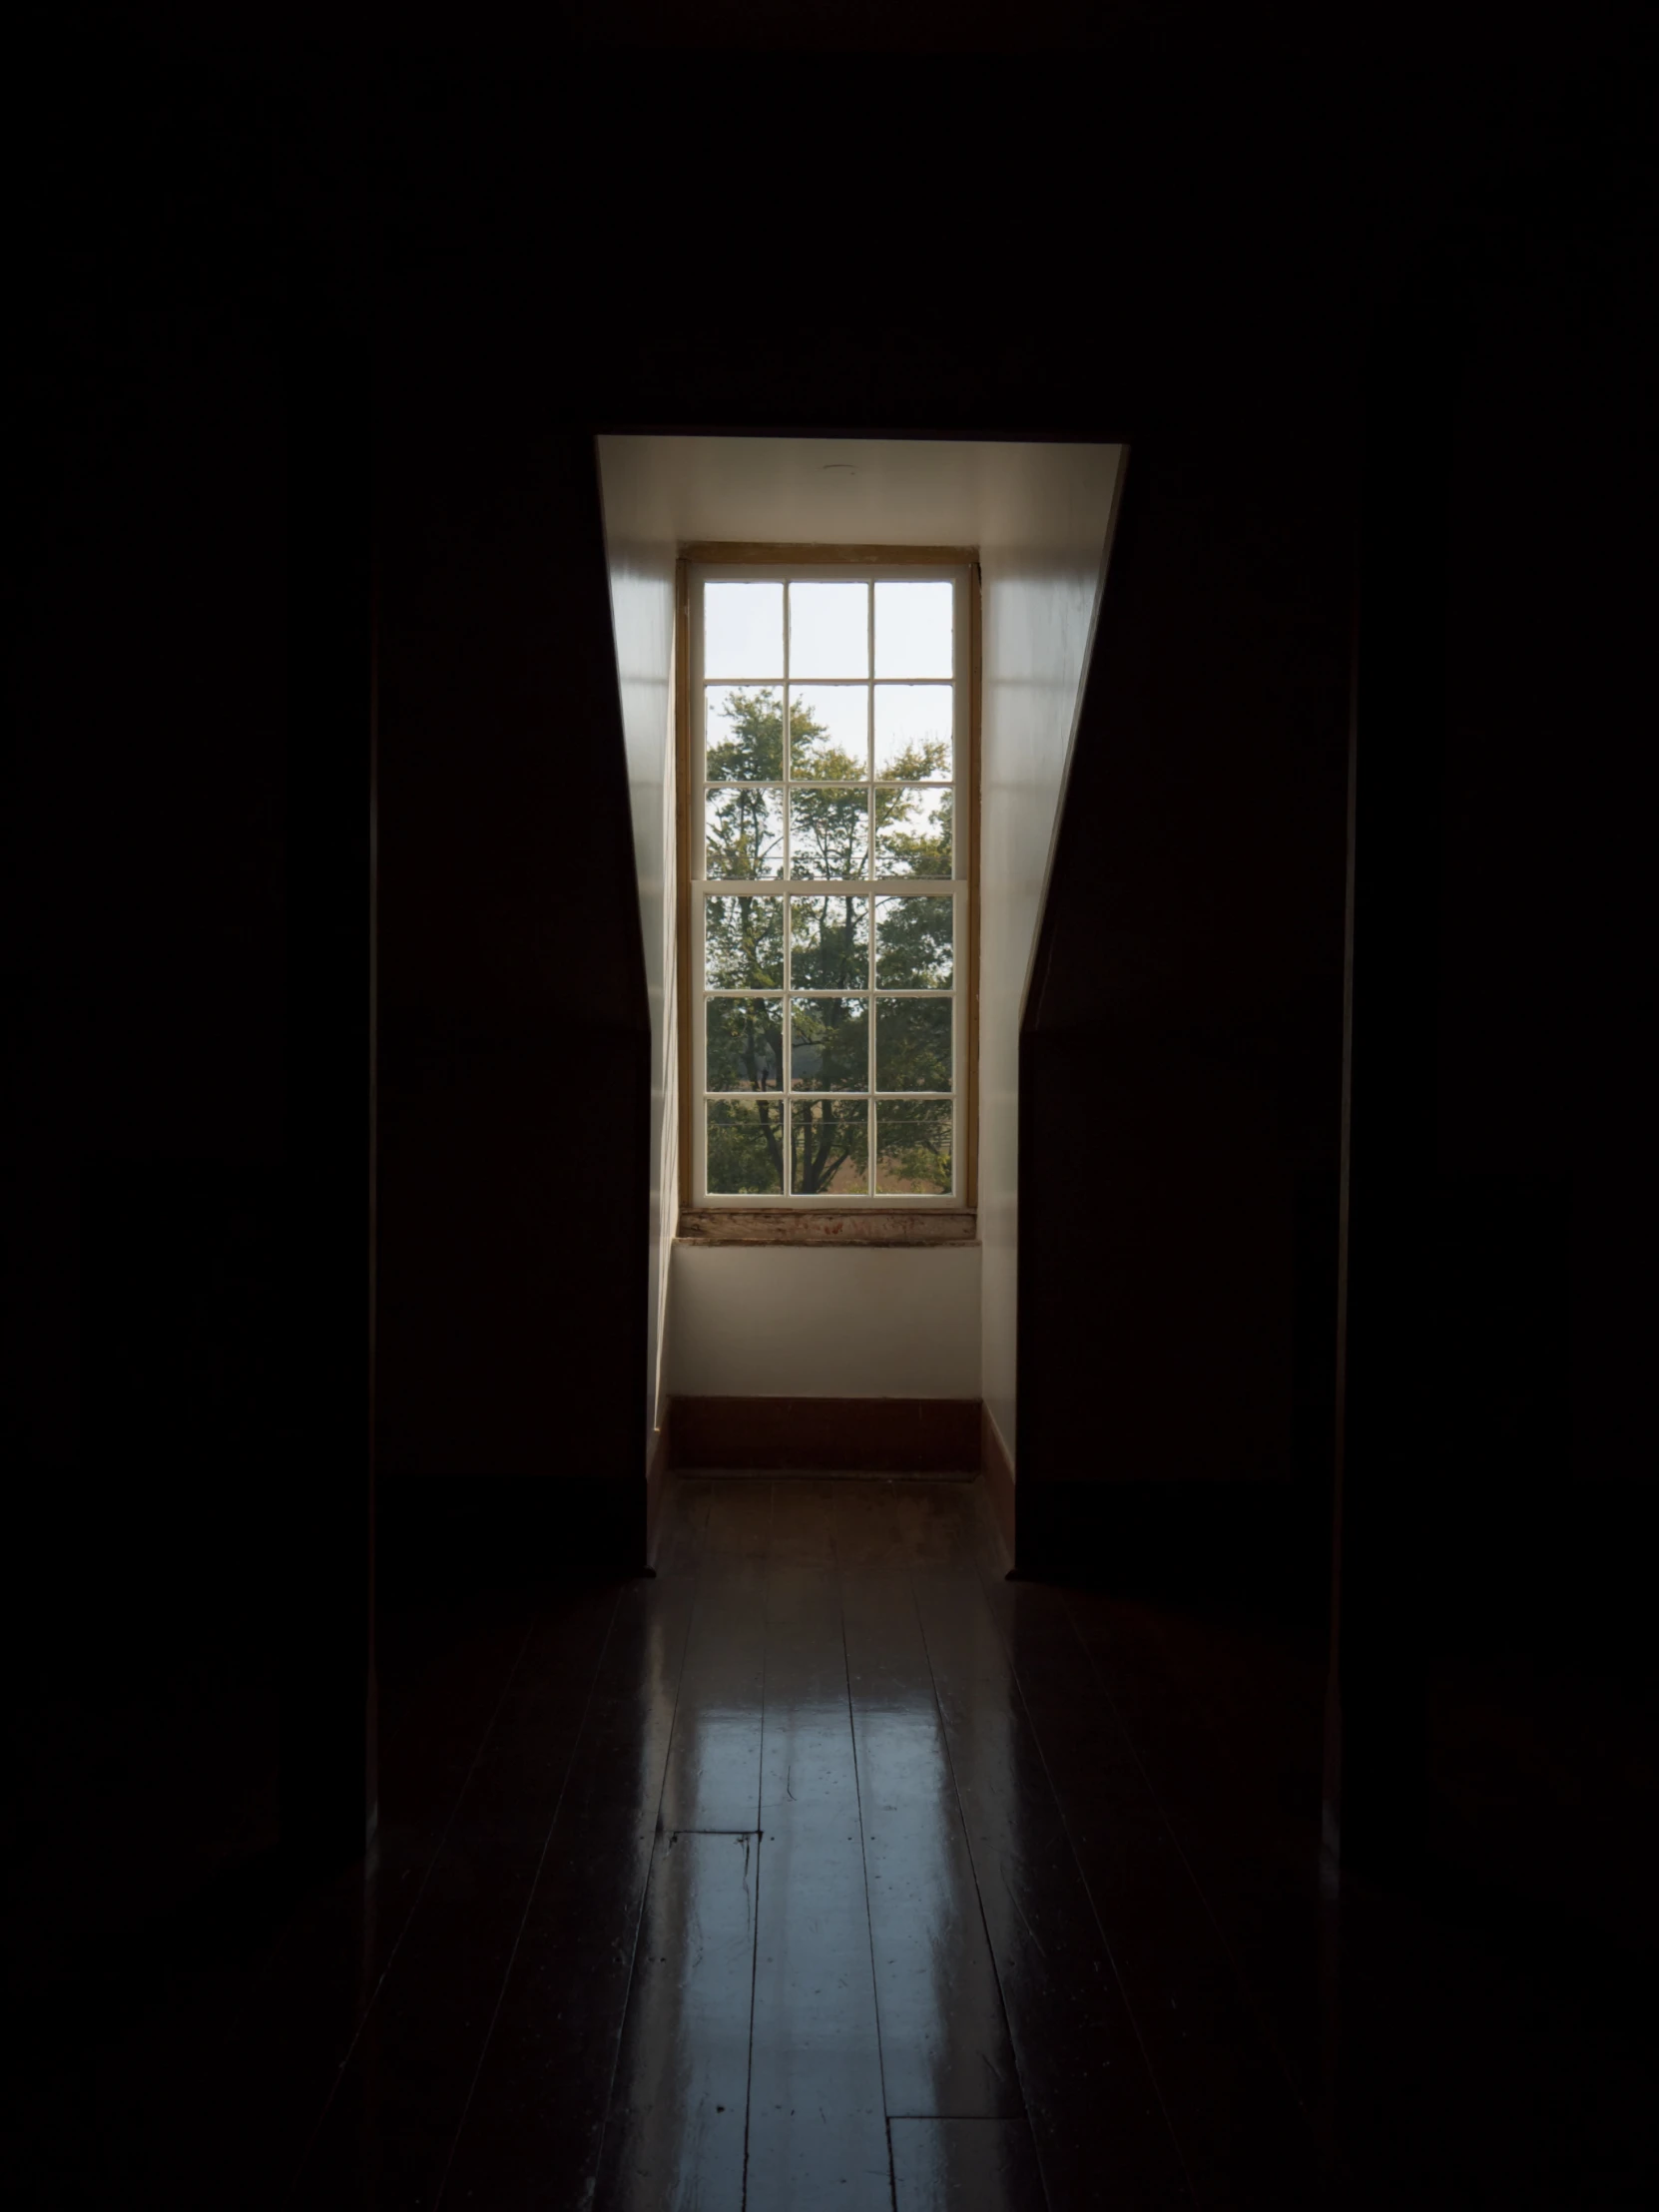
point(944, 2039)
point(965, 2165)
point(534, 2122)
point(1088, 2090)
point(1245, 2139)
point(821, 1870)
point(831, 1867)
point(272, 2067)
point(1229, 1715)
point(391, 2125)
point(675, 2131)
point(714, 1762)
point(817, 2121)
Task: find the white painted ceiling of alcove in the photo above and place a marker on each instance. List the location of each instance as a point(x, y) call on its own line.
point(900, 490)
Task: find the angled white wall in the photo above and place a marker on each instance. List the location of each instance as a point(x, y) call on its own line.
point(642, 565)
point(1043, 550)
point(1039, 516)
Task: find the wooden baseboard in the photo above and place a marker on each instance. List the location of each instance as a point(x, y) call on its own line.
point(894, 1436)
point(997, 1473)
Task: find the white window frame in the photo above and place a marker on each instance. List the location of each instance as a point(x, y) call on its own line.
point(904, 567)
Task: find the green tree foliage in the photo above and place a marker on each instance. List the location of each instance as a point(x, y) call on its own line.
point(744, 824)
point(830, 828)
point(914, 829)
point(914, 950)
point(744, 944)
point(829, 941)
point(746, 1146)
point(828, 1044)
point(914, 1145)
point(829, 1135)
point(912, 1044)
point(830, 822)
point(745, 1044)
point(754, 751)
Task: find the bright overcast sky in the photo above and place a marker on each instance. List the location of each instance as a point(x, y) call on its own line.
point(743, 629)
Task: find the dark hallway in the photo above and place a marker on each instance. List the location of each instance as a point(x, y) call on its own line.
point(376, 1831)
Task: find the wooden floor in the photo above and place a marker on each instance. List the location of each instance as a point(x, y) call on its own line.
point(822, 1870)
point(831, 1869)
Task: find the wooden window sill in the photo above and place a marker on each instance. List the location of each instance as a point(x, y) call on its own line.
point(810, 1225)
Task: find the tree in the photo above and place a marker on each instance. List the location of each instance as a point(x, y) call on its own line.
point(830, 828)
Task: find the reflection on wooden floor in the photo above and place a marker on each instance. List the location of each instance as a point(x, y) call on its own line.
point(831, 1869)
point(822, 1870)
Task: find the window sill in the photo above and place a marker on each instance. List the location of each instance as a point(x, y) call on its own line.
point(758, 1225)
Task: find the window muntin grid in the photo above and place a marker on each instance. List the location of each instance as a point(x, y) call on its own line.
point(829, 1008)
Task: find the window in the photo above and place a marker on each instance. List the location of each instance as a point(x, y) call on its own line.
point(828, 848)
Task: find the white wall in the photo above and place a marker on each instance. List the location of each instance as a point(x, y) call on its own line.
point(1042, 560)
point(641, 615)
point(790, 1320)
point(1039, 516)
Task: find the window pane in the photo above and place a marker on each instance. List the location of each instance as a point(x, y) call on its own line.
point(912, 832)
point(912, 1044)
point(746, 1146)
point(829, 1146)
point(829, 942)
point(914, 943)
point(828, 834)
point(829, 731)
point(913, 1147)
point(912, 732)
point(912, 629)
point(743, 629)
point(785, 769)
point(743, 833)
point(743, 943)
point(829, 630)
point(745, 1044)
point(743, 735)
point(828, 1044)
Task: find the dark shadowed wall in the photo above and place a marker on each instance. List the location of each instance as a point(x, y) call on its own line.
point(1497, 1448)
point(514, 1071)
point(1182, 1047)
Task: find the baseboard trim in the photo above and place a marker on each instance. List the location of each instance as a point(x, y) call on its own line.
point(997, 1471)
point(824, 1435)
point(827, 1474)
